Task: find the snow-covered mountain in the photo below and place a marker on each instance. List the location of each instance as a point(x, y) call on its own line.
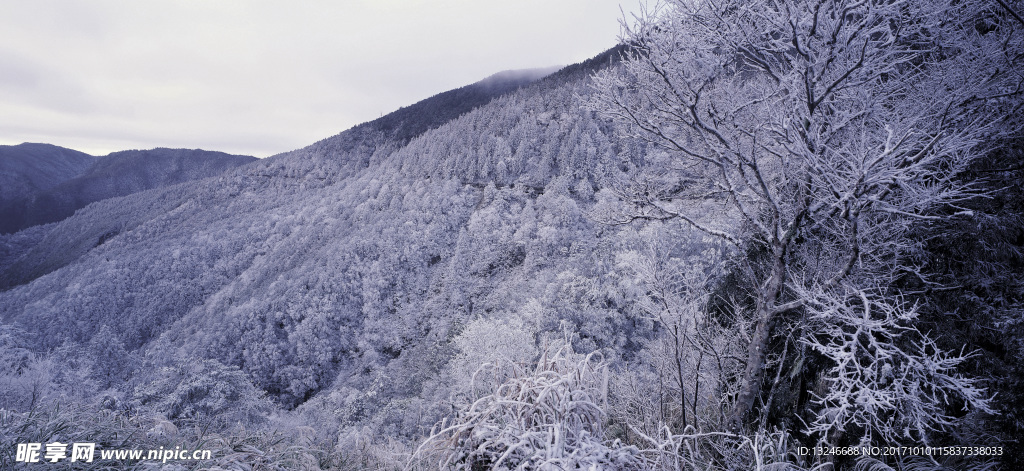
point(29, 168)
point(315, 270)
point(370, 285)
point(117, 174)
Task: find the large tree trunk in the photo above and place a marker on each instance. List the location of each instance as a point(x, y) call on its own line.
point(764, 317)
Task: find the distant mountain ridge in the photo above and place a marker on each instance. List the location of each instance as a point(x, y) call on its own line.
point(31, 167)
point(73, 187)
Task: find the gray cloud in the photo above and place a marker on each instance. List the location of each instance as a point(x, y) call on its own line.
point(262, 77)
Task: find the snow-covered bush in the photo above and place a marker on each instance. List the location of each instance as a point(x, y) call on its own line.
point(204, 392)
point(887, 379)
point(550, 418)
point(486, 343)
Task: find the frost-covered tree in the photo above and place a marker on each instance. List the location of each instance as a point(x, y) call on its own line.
point(203, 392)
point(109, 357)
point(811, 136)
point(548, 418)
point(691, 357)
point(486, 343)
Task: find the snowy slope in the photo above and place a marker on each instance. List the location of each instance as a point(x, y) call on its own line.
point(349, 265)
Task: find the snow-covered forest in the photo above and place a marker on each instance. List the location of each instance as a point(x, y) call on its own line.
point(756, 235)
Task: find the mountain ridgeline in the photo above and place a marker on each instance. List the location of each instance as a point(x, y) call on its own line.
point(60, 185)
point(30, 168)
point(408, 122)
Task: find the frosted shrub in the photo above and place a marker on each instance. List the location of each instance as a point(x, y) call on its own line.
point(550, 418)
point(491, 342)
point(205, 391)
point(888, 380)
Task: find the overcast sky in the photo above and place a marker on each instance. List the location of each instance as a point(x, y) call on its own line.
point(262, 77)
